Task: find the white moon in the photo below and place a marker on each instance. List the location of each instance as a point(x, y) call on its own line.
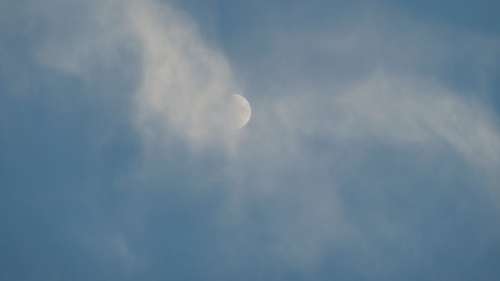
point(242, 112)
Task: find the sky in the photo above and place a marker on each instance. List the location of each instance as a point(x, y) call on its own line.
point(372, 153)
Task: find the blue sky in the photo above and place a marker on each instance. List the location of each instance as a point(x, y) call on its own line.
point(372, 153)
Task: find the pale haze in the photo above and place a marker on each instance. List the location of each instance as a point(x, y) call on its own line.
point(249, 140)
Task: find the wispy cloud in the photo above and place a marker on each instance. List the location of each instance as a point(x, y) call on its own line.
point(379, 84)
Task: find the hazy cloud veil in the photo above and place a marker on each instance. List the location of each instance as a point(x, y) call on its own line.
point(366, 165)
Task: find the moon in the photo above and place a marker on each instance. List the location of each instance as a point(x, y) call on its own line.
point(241, 111)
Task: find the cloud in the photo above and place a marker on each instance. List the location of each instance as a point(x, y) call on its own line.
point(376, 85)
point(184, 84)
point(395, 109)
point(184, 81)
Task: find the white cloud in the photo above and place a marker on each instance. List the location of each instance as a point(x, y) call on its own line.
point(184, 81)
point(404, 110)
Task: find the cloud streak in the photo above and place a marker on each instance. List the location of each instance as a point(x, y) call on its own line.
point(292, 161)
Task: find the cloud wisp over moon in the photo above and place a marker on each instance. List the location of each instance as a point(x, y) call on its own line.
point(372, 138)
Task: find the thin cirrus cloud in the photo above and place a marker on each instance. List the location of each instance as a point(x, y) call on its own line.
point(183, 84)
point(276, 166)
